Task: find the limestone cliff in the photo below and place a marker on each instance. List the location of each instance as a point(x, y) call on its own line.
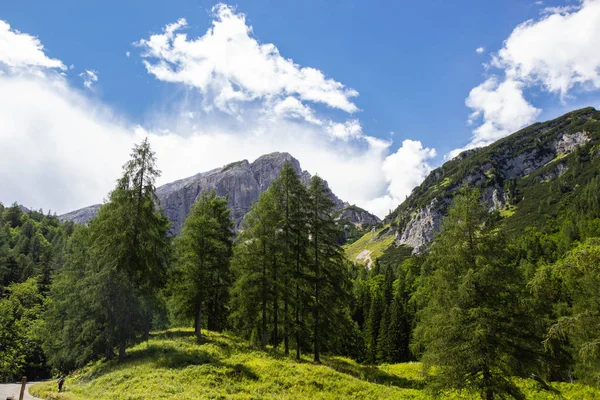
point(241, 182)
point(532, 156)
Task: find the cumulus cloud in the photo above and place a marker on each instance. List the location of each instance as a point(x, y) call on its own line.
point(89, 78)
point(479, 50)
point(529, 59)
point(403, 170)
point(230, 66)
point(61, 149)
point(20, 50)
point(347, 130)
point(502, 109)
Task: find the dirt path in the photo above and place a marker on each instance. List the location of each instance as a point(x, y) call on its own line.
point(13, 389)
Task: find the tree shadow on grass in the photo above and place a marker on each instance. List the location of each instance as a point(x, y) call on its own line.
point(372, 374)
point(170, 357)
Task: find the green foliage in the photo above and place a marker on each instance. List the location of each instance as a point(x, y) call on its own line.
point(473, 326)
point(109, 285)
point(576, 279)
point(291, 280)
point(201, 278)
point(20, 341)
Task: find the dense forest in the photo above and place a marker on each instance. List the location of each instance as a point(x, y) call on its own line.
point(481, 306)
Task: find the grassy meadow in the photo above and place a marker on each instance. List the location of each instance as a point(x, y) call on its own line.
point(172, 365)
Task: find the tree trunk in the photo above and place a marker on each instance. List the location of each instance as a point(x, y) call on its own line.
point(286, 325)
point(487, 382)
point(122, 351)
point(298, 333)
point(264, 304)
point(317, 357)
point(198, 323)
point(275, 306)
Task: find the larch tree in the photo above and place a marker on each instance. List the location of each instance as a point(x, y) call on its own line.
point(201, 277)
point(328, 274)
point(473, 324)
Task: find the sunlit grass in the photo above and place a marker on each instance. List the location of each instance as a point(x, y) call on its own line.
point(372, 242)
point(172, 365)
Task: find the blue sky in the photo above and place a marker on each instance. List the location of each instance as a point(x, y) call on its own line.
point(408, 80)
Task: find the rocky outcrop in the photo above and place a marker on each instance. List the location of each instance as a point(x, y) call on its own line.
point(525, 163)
point(241, 182)
point(527, 152)
point(553, 173)
point(359, 217)
point(566, 143)
point(422, 227)
point(81, 216)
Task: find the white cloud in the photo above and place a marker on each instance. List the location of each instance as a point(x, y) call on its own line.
point(531, 53)
point(20, 50)
point(403, 170)
point(230, 66)
point(348, 130)
point(502, 108)
point(291, 107)
point(480, 50)
point(556, 53)
point(127, 54)
point(89, 78)
point(63, 150)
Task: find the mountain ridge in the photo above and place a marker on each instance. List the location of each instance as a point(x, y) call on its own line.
point(241, 182)
point(508, 173)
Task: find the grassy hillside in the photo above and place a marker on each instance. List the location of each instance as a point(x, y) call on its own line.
point(369, 246)
point(173, 366)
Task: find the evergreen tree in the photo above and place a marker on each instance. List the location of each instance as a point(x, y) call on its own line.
point(292, 200)
point(20, 341)
point(202, 278)
point(255, 272)
point(473, 325)
point(328, 273)
point(116, 268)
point(373, 324)
point(576, 278)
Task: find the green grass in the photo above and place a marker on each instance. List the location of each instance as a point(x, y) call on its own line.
point(375, 243)
point(172, 365)
point(508, 211)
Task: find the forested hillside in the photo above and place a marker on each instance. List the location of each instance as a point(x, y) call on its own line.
point(503, 300)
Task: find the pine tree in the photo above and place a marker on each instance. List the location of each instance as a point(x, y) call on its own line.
point(473, 325)
point(202, 278)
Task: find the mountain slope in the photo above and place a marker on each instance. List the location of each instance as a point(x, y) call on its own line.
point(531, 177)
point(242, 182)
point(172, 365)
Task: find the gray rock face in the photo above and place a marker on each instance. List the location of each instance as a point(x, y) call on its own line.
point(81, 216)
point(422, 227)
point(357, 216)
point(568, 142)
point(424, 223)
point(525, 163)
point(241, 182)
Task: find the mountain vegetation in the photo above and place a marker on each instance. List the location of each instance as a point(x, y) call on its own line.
point(485, 281)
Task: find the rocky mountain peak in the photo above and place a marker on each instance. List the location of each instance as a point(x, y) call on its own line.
point(241, 182)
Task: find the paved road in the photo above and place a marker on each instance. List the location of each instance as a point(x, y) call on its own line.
point(13, 389)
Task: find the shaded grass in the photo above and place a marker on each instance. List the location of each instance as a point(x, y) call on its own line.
point(172, 365)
